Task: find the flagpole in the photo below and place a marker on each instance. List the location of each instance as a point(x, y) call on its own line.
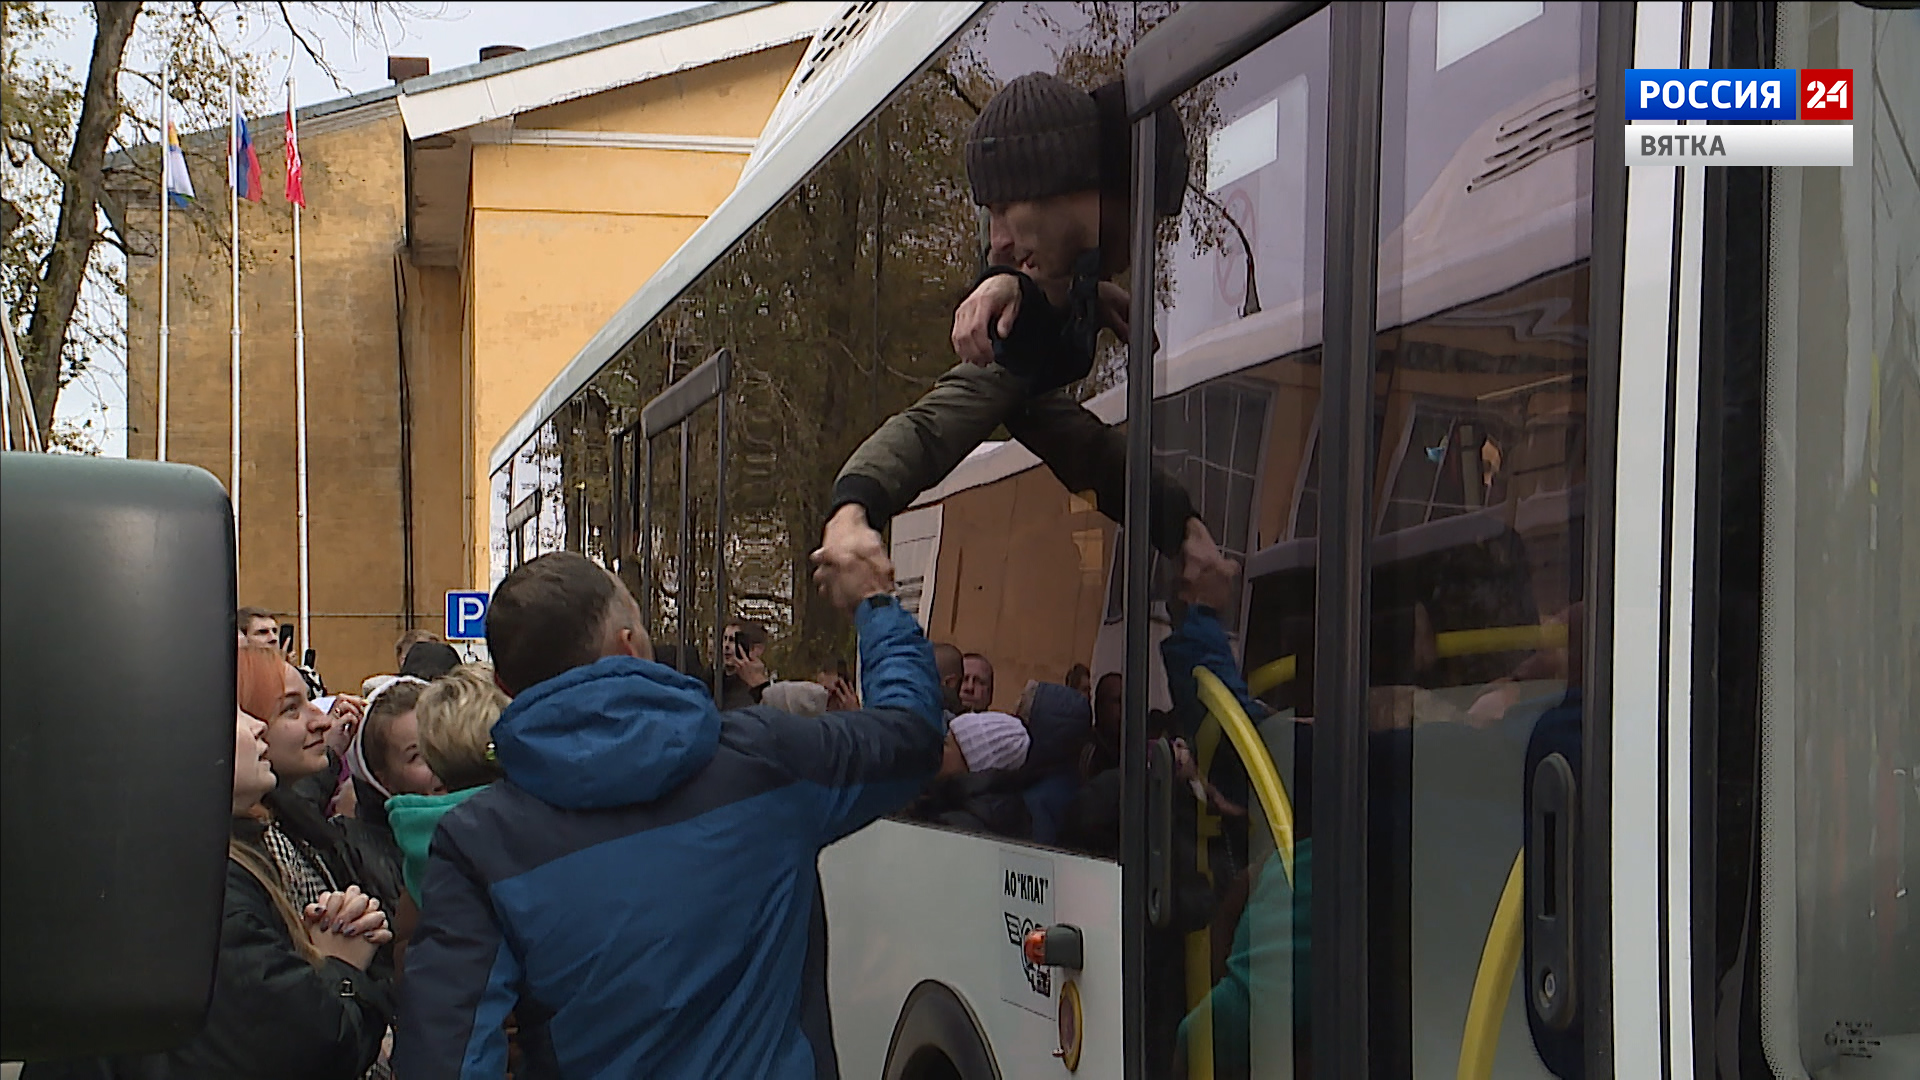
point(300, 394)
point(233, 198)
point(166, 169)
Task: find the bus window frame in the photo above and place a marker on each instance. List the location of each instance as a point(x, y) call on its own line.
point(1749, 44)
point(1193, 44)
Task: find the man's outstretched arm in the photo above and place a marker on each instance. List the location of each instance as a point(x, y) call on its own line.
point(915, 449)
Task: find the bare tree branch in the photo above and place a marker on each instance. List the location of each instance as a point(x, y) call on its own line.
point(73, 244)
point(954, 84)
point(307, 47)
point(46, 158)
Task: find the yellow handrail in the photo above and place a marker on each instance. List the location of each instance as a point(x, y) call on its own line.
point(1500, 639)
point(1500, 957)
point(1199, 1005)
point(1269, 675)
point(1240, 731)
point(1452, 643)
point(1491, 985)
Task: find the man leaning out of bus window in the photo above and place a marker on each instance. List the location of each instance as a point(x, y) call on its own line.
point(1049, 162)
point(642, 883)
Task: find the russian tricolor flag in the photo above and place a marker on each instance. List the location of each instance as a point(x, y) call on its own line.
point(243, 165)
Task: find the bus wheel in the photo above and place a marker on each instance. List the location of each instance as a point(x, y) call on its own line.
point(937, 1038)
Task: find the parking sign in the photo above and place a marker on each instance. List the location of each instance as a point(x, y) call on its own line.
point(466, 616)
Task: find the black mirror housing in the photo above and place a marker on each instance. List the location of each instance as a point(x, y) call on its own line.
point(117, 643)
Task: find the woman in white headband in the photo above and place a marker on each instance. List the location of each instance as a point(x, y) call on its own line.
point(384, 760)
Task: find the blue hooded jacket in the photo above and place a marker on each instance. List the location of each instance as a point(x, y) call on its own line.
point(1059, 721)
point(643, 883)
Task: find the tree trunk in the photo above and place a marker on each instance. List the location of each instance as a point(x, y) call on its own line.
point(76, 234)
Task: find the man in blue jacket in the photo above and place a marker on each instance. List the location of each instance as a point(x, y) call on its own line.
point(640, 891)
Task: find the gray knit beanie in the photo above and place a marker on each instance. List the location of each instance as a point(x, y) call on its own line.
point(1038, 137)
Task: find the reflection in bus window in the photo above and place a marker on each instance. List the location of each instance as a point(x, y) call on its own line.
point(1211, 438)
point(1839, 932)
point(1475, 557)
point(550, 522)
point(498, 550)
point(1240, 366)
point(523, 528)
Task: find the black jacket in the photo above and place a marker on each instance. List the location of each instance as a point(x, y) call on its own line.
point(736, 694)
point(366, 857)
point(360, 855)
point(985, 802)
point(273, 1015)
point(317, 789)
point(372, 857)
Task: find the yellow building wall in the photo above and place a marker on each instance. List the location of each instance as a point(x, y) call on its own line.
point(560, 236)
point(437, 437)
point(352, 232)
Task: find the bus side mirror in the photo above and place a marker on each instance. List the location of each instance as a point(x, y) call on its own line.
point(117, 643)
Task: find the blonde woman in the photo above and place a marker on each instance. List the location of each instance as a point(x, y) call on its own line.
point(454, 717)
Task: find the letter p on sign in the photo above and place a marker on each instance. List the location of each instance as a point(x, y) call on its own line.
point(466, 616)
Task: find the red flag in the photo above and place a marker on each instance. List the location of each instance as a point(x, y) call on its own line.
point(296, 188)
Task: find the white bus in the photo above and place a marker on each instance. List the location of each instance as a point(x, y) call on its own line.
point(1580, 614)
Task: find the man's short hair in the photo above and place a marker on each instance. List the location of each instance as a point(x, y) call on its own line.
point(548, 617)
point(246, 616)
point(456, 716)
point(430, 660)
point(949, 660)
point(982, 657)
point(411, 638)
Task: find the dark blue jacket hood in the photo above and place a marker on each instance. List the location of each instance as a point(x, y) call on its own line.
point(617, 732)
point(1059, 720)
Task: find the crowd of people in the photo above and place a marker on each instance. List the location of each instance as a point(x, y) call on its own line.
point(1049, 770)
point(377, 871)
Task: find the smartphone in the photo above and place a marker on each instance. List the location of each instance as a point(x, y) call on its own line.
point(286, 636)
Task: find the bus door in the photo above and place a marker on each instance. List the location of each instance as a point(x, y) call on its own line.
point(1372, 369)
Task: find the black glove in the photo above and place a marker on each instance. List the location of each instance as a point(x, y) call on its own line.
point(1049, 346)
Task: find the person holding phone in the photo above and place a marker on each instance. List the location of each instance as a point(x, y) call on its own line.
point(743, 650)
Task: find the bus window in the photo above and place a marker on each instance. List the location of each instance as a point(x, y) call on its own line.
point(549, 524)
point(1240, 365)
point(586, 473)
point(1838, 922)
point(498, 547)
point(1480, 404)
point(523, 534)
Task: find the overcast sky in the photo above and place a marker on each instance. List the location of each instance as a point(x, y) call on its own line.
point(450, 35)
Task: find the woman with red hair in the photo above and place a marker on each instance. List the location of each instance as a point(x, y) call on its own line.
point(309, 852)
